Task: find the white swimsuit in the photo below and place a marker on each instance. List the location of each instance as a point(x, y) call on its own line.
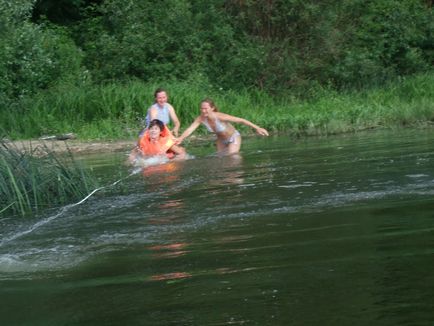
point(221, 127)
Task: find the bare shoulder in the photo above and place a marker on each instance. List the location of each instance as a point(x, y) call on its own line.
point(225, 116)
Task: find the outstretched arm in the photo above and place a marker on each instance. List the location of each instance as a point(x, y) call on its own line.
point(231, 118)
point(187, 132)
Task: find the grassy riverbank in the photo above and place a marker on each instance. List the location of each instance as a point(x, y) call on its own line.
point(116, 111)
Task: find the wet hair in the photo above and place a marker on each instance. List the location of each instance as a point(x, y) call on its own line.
point(158, 123)
point(211, 103)
point(159, 90)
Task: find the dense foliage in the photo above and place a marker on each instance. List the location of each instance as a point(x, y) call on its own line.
point(290, 47)
point(273, 45)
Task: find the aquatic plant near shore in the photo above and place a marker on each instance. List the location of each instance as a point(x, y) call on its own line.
point(37, 178)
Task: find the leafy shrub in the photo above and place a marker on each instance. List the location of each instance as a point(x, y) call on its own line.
point(33, 57)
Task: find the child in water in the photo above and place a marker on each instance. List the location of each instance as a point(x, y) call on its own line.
point(157, 140)
point(228, 138)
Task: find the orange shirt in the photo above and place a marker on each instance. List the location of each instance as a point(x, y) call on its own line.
point(159, 147)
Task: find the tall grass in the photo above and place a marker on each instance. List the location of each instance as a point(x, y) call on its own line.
point(37, 178)
point(116, 110)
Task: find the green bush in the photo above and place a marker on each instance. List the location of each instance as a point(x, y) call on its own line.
point(142, 39)
point(386, 39)
point(103, 68)
point(33, 57)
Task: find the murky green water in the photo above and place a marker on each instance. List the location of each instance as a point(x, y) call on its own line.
point(331, 231)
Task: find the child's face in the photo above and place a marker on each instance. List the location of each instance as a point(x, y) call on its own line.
point(154, 133)
point(161, 98)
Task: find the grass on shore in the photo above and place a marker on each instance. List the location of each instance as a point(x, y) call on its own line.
point(116, 111)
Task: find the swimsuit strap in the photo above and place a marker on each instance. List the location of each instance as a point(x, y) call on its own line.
point(220, 126)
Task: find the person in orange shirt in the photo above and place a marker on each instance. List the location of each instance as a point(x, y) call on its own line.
point(157, 141)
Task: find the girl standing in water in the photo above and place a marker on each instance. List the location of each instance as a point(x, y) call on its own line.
point(228, 138)
point(162, 111)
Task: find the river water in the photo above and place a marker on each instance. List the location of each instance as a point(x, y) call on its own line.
point(316, 231)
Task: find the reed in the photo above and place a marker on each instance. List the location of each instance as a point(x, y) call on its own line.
point(37, 178)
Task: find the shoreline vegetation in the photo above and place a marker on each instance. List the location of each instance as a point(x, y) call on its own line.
point(118, 110)
point(304, 67)
point(38, 178)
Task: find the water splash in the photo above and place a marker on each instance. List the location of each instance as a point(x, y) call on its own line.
point(60, 213)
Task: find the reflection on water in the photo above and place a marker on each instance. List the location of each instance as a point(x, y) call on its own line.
point(165, 171)
point(229, 170)
point(331, 231)
point(170, 276)
point(169, 251)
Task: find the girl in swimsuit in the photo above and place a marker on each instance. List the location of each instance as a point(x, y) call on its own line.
point(228, 138)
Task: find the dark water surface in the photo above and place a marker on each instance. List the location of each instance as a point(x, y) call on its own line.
point(330, 231)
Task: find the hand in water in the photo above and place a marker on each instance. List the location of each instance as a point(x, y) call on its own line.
point(262, 132)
